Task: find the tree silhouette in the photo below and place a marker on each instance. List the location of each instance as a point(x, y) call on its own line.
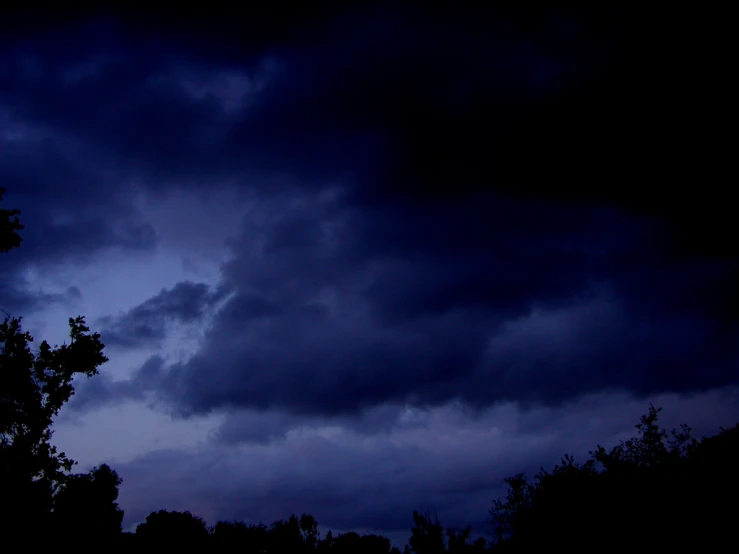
point(237, 536)
point(293, 535)
point(85, 508)
point(326, 544)
point(457, 541)
point(290, 535)
point(628, 494)
point(509, 515)
point(649, 449)
point(309, 531)
point(165, 529)
point(34, 387)
point(427, 535)
point(9, 227)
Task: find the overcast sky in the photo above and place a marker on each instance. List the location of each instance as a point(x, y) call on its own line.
point(359, 261)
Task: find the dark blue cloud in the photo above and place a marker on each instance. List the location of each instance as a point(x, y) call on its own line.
point(102, 390)
point(20, 300)
point(490, 170)
point(369, 91)
point(539, 304)
point(146, 324)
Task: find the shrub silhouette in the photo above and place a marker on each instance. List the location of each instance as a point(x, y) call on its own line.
point(86, 511)
point(165, 529)
point(657, 490)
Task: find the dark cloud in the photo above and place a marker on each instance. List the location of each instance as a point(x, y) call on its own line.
point(74, 292)
point(256, 428)
point(146, 325)
point(102, 389)
point(368, 90)
point(71, 206)
point(325, 323)
point(270, 427)
point(538, 304)
point(394, 101)
point(399, 97)
point(370, 273)
point(19, 298)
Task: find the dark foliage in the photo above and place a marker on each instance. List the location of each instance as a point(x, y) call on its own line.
point(86, 511)
point(38, 491)
point(657, 491)
point(9, 227)
point(361, 544)
point(165, 529)
point(228, 536)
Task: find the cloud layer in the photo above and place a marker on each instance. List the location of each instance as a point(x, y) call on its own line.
point(333, 309)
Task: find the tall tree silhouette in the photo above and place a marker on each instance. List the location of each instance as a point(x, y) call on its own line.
point(427, 535)
point(33, 387)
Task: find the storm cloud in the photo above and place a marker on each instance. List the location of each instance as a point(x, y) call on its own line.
point(325, 318)
point(146, 324)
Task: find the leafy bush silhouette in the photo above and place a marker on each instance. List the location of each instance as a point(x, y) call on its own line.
point(656, 490)
point(165, 529)
point(86, 511)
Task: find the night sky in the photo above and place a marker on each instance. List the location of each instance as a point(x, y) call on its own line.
point(359, 259)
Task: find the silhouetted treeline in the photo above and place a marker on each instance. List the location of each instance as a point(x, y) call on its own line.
point(297, 535)
point(659, 491)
